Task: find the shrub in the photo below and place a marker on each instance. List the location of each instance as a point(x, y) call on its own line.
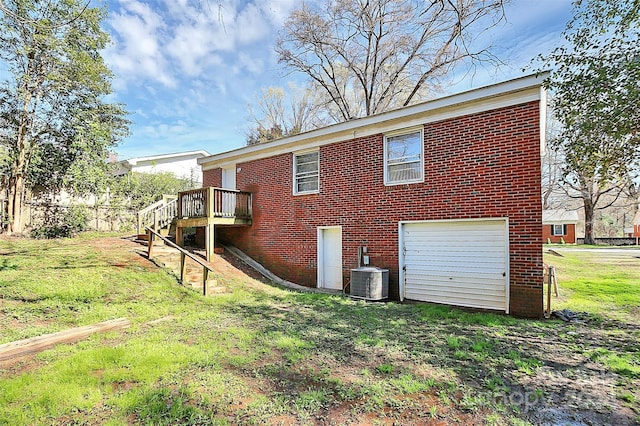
point(62, 222)
point(138, 190)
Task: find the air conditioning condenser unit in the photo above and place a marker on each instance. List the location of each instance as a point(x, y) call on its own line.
point(369, 283)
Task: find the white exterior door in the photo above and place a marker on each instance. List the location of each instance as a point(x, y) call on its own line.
point(330, 258)
point(229, 182)
point(229, 178)
point(456, 262)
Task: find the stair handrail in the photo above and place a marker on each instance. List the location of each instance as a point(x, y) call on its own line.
point(206, 268)
point(164, 215)
point(144, 213)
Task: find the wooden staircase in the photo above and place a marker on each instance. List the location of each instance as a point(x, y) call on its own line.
point(159, 216)
point(171, 259)
point(190, 268)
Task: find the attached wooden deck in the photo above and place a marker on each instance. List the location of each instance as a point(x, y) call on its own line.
point(210, 206)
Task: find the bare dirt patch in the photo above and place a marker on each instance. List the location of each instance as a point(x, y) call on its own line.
point(122, 252)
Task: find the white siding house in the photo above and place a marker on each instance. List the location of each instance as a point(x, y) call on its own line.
point(182, 164)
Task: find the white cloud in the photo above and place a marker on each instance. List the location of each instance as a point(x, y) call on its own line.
point(142, 113)
point(532, 31)
point(188, 68)
point(136, 52)
point(163, 41)
point(251, 25)
point(163, 130)
point(221, 85)
point(277, 10)
point(250, 63)
point(194, 44)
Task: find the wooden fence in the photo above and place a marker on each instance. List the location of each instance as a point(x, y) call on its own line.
point(613, 241)
point(100, 218)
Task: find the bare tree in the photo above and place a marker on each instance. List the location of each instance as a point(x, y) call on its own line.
point(552, 189)
point(596, 176)
point(595, 96)
point(368, 56)
point(604, 191)
point(553, 192)
point(281, 112)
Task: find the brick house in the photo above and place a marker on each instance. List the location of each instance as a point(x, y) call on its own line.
point(444, 194)
point(634, 230)
point(559, 226)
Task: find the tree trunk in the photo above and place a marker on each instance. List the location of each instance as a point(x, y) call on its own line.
point(16, 192)
point(589, 238)
point(16, 201)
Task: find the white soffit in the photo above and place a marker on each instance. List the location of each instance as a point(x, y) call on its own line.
point(136, 160)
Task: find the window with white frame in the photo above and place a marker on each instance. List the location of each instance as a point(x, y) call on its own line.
point(403, 158)
point(557, 230)
point(306, 172)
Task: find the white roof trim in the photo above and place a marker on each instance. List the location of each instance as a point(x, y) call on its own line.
point(134, 161)
point(543, 120)
point(513, 92)
point(559, 216)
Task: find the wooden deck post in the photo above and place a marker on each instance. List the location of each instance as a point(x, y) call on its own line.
point(183, 259)
point(150, 238)
point(183, 267)
point(209, 240)
point(550, 275)
point(211, 202)
point(179, 236)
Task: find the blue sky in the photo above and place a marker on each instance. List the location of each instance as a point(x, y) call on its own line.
point(188, 69)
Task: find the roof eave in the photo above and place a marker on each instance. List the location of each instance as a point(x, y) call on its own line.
point(531, 85)
point(201, 152)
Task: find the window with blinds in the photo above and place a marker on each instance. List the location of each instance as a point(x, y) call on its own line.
point(306, 173)
point(558, 230)
point(404, 158)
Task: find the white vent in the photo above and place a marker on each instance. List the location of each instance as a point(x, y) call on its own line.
point(369, 283)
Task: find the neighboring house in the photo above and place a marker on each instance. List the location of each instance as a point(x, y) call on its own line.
point(445, 194)
point(182, 164)
point(559, 226)
point(634, 231)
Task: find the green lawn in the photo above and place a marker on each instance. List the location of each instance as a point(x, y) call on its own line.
point(598, 281)
point(259, 354)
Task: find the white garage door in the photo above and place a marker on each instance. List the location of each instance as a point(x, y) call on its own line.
point(461, 262)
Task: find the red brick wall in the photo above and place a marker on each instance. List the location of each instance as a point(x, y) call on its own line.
point(212, 178)
point(478, 166)
point(570, 238)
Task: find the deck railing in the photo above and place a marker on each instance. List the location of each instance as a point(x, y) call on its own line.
point(214, 202)
point(193, 203)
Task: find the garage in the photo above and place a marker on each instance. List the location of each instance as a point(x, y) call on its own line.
point(455, 262)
